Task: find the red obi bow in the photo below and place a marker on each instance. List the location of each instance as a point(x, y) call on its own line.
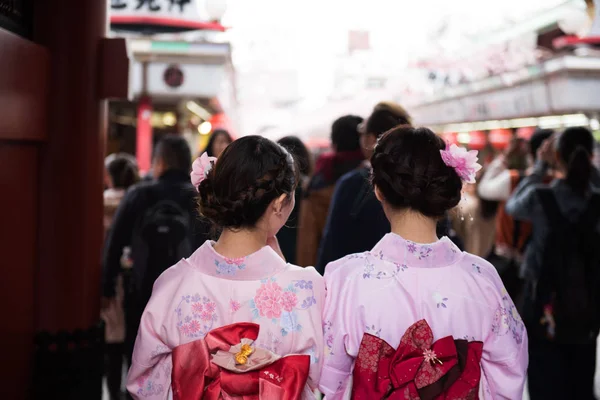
point(263, 375)
point(419, 369)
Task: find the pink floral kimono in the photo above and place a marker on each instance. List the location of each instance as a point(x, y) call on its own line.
point(377, 300)
point(206, 292)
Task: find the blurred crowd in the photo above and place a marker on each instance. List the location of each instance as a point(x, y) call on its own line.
point(531, 188)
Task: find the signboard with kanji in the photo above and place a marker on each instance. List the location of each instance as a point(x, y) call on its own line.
point(160, 15)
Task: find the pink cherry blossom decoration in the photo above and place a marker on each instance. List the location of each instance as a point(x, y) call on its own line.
point(463, 161)
point(200, 169)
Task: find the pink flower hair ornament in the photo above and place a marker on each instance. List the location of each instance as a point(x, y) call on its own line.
point(200, 169)
point(463, 161)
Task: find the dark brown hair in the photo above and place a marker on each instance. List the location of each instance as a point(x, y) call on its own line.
point(575, 148)
point(409, 171)
point(385, 116)
point(251, 173)
point(298, 149)
point(122, 169)
point(210, 146)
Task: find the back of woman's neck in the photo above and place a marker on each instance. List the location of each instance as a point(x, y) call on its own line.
point(414, 227)
point(240, 243)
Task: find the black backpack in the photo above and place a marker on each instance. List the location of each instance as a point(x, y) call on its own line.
point(567, 296)
point(163, 237)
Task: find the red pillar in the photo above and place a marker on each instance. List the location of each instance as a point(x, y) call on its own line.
point(143, 149)
point(71, 175)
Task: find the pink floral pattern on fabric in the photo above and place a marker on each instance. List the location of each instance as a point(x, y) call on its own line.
point(234, 305)
point(268, 300)
point(280, 305)
point(289, 301)
point(196, 316)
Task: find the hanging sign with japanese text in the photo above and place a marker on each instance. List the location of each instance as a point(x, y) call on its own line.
point(161, 15)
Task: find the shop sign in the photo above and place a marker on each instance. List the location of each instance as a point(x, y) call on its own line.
point(159, 14)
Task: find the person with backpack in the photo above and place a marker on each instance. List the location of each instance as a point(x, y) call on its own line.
point(234, 320)
point(155, 225)
point(562, 276)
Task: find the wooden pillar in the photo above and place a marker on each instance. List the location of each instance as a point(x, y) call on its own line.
point(71, 175)
point(23, 80)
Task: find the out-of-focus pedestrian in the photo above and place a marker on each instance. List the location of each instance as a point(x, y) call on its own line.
point(157, 221)
point(345, 157)
point(475, 222)
point(500, 179)
point(415, 316)
point(356, 221)
point(218, 142)
point(235, 320)
point(122, 173)
point(288, 234)
point(562, 269)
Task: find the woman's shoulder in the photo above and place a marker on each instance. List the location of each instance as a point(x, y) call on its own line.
point(348, 267)
point(308, 274)
point(485, 275)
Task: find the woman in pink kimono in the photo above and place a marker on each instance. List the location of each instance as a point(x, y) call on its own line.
point(234, 320)
point(415, 318)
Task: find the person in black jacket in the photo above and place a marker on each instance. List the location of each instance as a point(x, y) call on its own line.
point(155, 225)
point(356, 221)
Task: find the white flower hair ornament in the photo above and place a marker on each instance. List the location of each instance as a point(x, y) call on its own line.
point(200, 169)
point(463, 161)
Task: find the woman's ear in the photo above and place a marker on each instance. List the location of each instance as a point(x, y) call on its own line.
point(279, 203)
point(378, 194)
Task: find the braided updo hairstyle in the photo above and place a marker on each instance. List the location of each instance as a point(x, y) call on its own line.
point(409, 172)
point(251, 173)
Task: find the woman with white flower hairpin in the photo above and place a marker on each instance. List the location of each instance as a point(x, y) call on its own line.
point(415, 318)
point(234, 320)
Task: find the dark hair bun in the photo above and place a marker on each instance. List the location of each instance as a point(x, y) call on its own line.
point(410, 173)
point(249, 175)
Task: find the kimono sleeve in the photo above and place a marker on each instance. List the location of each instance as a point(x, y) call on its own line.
point(505, 356)
point(150, 373)
point(340, 326)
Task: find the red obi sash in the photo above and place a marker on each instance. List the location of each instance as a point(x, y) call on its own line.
point(419, 369)
point(226, 365)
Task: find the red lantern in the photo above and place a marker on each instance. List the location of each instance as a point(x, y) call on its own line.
point(526, 132)
point(450, 138)
point(477, 140)
point(500, 138)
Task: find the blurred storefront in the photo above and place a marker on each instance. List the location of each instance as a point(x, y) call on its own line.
point(534, 79)
point(177, 84)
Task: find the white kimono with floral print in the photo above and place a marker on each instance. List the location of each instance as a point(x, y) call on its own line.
point(207, 291)
point(384, 291)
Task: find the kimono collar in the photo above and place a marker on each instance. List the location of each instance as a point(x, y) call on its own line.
point(259, 265)
point(398, 250)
